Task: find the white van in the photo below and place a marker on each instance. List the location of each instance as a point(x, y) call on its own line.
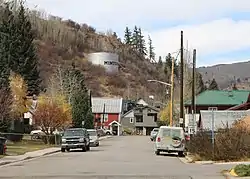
point(171, 140)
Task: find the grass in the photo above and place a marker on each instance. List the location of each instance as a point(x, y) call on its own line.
point(20, 148)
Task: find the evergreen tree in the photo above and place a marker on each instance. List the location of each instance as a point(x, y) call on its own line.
point(213, 85)
point(160, 63)
point(135, 39)
point(168, 64)
point(142, 49)
point(151, 52)
point(81, 107)
point(7, 27)
point(26, 61)
point(200, 84)
point(128, 36)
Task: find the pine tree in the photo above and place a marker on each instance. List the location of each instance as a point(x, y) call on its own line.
point(26, 61)
point(200, 84)
point(135, 39)
point(168, 64)
point(128, 36)
point(160, 63)
point(81, 107)
point(6, 33)
point(142, 49)
point(151, 52)
point(7, 28)
point(213, 85)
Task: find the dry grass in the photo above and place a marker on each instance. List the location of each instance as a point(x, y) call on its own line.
point(25, 146)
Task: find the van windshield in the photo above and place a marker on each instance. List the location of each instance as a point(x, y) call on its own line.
point(171, 132)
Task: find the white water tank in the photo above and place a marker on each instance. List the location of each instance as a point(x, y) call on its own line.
point(110, 61)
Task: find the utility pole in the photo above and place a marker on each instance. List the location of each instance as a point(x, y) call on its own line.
point(172, 95)
point(193, 90)
point(181, 85)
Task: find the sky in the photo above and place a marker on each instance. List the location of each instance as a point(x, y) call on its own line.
point(218, 29)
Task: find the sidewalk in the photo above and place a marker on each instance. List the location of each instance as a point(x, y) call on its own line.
point(29, 155)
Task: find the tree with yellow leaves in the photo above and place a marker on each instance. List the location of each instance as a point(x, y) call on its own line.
point(53, 112)
point(165, 115)
point(19, 90)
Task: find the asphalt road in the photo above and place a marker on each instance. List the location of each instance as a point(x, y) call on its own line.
point(127, 157)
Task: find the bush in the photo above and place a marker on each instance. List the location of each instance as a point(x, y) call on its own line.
point(128, 131)
point(231, 144)
point(242, 170)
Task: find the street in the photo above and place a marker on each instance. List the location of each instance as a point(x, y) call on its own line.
point(117, 157)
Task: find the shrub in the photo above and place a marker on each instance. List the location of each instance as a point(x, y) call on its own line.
point(128, 131)
point(231, 144)
point(242, 170)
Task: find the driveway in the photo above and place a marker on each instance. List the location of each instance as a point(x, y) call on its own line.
point(123, 157)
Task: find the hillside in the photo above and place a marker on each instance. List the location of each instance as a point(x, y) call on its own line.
point(226, 74)
point(60, 43)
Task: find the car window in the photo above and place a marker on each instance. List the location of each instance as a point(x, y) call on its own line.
point(156, 130)
point(176, 133)
point(92, 133)
point(74, 133)
point(166, 132)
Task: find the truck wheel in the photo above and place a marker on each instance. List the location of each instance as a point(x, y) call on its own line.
point(108, 133)
point(157, 152)
point(62, 149)
point(87, 147)
point(68, 150)
point(84, 149)
point(181, 154)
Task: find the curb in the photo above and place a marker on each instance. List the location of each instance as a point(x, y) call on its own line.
point(28, 158)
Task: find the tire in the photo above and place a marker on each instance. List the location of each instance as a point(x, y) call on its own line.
point(87, 148)
point(180, 154)
point(68, 150)
point(97, 144)
point(107, 133)
point(62, 149)
point(84, 149)
point(152, 140)
point(157, 152)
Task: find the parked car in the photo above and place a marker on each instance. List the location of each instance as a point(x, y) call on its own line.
point(94, 139)
point(75, 138)
point(153, 134)
point(171, 140)
point(38, 133)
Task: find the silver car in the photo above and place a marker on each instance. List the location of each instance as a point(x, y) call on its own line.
point(94, 139)
point(171, 140)
point(153, 134)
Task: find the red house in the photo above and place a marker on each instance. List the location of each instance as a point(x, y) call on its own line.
point(106, 111)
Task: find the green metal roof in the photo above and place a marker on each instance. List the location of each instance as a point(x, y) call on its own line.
point(219, 97)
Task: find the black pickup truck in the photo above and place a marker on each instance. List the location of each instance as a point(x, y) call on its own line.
point(75, 138)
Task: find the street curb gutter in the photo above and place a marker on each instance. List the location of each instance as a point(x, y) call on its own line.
point(37, 156)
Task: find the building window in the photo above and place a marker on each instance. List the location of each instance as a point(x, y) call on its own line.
point(139, 118)
point(131, 120)
point(105, 117)
point(212, 108)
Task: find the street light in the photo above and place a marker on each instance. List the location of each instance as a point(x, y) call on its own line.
point(162, 82)
point(172, 101)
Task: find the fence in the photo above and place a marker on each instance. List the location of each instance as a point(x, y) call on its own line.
point(36, 139)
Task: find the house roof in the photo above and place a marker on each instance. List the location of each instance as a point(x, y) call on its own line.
point(221, 97)
point(112, 105)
